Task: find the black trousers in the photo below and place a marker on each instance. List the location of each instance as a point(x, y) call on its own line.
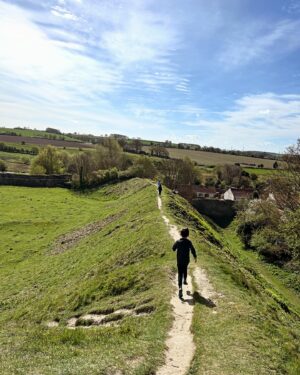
point(182, 272)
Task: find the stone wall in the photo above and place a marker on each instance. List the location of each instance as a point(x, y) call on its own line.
point(16, 179)
point(221, 211)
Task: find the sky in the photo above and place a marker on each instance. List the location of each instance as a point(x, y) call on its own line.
point(222, 73)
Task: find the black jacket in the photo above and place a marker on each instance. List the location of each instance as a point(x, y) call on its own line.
point(183, 247)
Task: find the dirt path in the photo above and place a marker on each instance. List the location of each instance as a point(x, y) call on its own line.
point(180, 344)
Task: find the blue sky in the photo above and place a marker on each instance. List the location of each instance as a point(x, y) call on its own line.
point(224, 73)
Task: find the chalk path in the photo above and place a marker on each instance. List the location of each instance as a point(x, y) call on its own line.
point(180, 344)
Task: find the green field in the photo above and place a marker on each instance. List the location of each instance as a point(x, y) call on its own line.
point(108, 252)
point(35, 133)
point(212, 158)
point(15, 162)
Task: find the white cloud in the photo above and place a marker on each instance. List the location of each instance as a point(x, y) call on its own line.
point(60, 11)
point(253, 122)
point(258, 41)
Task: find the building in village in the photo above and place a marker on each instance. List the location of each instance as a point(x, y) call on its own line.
point(234, 194)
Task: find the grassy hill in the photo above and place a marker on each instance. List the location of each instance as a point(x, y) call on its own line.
point(35, 133)
point(122, 265)
point(107, 253)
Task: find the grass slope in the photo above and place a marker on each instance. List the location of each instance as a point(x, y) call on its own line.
point(255, 327)
point(123, 265)
point(35, 133)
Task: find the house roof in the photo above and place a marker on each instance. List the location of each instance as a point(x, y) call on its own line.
point(242, 193)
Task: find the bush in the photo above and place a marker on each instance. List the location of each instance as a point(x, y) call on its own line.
point(25, 160)
point(3, 166)
point(95, 178)
point(271, 244)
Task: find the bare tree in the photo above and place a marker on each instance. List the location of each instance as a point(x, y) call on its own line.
point(159, 151)
point(137, 144)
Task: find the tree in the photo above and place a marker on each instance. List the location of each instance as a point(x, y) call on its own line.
point(82, 165)
point(229, 174)
point(292, 160)
point(137, 144)
point(159, 151)
point(3, 166)
point(48, 162)
point(143, 167)
point(178, 172)
point(286, 186)
point(108, 155)
point(53, 131)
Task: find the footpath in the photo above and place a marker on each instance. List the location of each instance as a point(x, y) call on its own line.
point(180, 345)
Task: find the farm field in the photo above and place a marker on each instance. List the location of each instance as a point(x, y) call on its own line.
point(42, 141)
point(19, 163)
point(211, 158)
point(35, 133)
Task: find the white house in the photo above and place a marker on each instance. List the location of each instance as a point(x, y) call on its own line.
point(237, 194)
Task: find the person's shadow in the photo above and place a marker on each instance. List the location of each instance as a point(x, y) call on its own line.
point(197, 298)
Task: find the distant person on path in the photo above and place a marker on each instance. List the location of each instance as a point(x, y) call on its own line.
point(159, 187)
point(183, 247)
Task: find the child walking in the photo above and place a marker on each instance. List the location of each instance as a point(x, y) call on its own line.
point(159, 187)
point(183, 247)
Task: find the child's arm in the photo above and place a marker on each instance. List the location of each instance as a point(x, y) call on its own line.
point(174, 247)
point(193, 251)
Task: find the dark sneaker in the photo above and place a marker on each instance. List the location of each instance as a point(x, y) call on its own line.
point(185, 282)
point(180, 293)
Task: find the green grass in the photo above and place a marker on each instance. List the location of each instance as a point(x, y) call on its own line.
point(128, 263)
point(36, 133)
point(255, 327)
point(15, 162)
point(212, 158)
point(124, 264)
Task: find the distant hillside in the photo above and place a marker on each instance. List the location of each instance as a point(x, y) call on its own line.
point(24, 132)
point(211, 158)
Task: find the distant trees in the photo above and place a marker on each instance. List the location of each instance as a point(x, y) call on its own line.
point(109, 154)
point(179, 172)
point(159, 151)
point(53, 131)
point(137, 145)
point(13, 149)
point(230, 174)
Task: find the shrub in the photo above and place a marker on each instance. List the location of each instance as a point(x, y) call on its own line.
point(271, 244)
point(48, 160)
point(144, 168)
point(3, 166)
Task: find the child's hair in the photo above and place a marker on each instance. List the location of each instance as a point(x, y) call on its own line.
point(185, 232)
